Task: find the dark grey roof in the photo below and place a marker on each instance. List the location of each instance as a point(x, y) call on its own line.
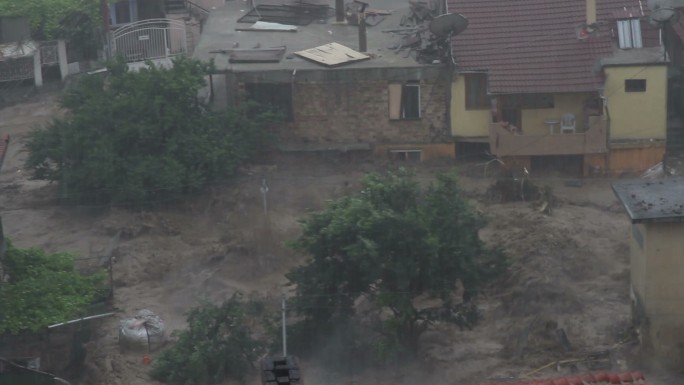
point(659, 200)
point(220, 34)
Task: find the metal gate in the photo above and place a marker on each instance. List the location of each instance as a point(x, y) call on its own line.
point(149, 39)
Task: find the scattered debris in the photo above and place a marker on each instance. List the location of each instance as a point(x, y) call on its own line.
point(265, 26)
point(654, 172)
point(292, 14)
point(332, 54)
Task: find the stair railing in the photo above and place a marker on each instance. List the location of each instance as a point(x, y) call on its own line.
point(199, 11)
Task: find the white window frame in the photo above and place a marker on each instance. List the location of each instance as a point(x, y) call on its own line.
point(629, 33)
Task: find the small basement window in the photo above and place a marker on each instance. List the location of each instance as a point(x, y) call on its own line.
point(635, 85)
point(406, 155)
point(629, 33)
point(404, 101)
point(271, 96)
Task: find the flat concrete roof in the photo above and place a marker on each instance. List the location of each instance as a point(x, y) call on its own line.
point(219, 34)
point(636, 56)
point(653, 200)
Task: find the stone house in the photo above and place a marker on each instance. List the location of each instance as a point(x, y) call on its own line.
point(306, 61)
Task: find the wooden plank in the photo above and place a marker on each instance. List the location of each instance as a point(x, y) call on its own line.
point(394, 101)
point(332, 54)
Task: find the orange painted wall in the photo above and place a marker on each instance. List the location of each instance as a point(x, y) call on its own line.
point(636, 160)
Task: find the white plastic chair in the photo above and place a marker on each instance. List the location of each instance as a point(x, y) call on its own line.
point(568, 123)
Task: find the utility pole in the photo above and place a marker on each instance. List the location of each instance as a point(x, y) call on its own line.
point(264, 190)
point(284, 311)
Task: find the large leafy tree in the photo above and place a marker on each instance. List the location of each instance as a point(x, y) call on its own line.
point(140, 137)
point(392, 242)
point(39, 289)
point(217, 344)
point(78, 21)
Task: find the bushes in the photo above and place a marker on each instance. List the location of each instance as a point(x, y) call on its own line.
point(218, 343)
point(43, 289)
point(141, 137)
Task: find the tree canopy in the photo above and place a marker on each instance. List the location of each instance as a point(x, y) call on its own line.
point(218, 343)
point(78, 21)
point(42, 289)
point(392, 242)
point(140, 137)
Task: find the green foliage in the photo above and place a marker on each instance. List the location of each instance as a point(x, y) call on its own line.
point(217, 344)
point(43, 289)
point(390, 243)
point(141, 137)
point(78, 21)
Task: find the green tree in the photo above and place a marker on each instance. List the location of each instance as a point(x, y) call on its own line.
point(217, 344)
point(78, 21)
point(42, 289)
point(390, 243)
point(140, 137)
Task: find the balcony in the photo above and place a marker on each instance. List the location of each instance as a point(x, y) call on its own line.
point(503, 142)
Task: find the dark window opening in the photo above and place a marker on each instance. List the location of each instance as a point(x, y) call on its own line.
point(555, 165)
point(404, 100)
point(275, 97)
point(531, 101)
point(635, 85)
point(406, 155)
point(122, 12)
point(476, 92)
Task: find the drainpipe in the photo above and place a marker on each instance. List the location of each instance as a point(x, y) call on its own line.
point(605, 106)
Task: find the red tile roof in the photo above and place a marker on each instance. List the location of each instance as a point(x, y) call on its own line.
point(532, 45)
point(600, 378)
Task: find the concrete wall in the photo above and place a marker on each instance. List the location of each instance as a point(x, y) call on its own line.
point(637, 115)
point(657, 273)
point(466, 123)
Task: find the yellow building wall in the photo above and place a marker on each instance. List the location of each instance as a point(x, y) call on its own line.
point(662, 271)
point(474, 123)
point(533, 119)
point(637, 115)
point(466, 123)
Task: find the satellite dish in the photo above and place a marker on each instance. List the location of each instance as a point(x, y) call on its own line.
point(663, 15)
point(448, 24)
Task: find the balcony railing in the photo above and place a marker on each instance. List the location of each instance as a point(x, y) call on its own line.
point(503, 142)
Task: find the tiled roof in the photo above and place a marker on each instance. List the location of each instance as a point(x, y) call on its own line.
point(600, 378)
point(532, 45)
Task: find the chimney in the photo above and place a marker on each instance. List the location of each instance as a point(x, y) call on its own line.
point(591, 11)
point(339, 11)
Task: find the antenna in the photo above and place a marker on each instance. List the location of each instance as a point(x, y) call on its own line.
point(448, 24)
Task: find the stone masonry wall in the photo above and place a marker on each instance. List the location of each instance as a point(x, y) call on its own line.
point(358, 112)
